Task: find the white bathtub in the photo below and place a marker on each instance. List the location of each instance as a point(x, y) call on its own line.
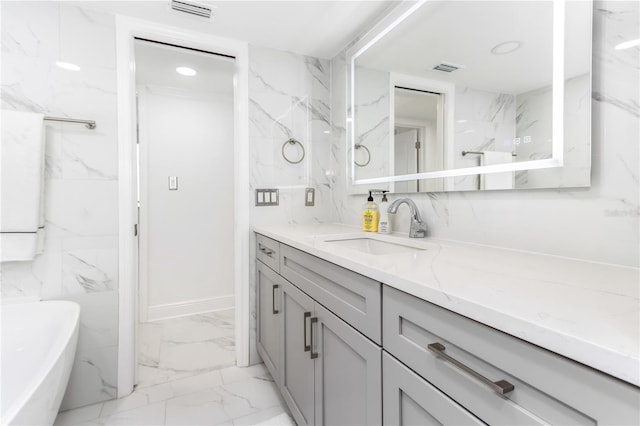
point(38, 347)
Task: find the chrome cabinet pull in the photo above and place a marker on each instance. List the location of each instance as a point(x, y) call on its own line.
point(307, 348)
point(314, 320)
point(273, 299)
point(501, 386)
point(265, 250)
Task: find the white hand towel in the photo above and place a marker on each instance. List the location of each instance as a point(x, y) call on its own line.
point(22, 185)
point(502, 180)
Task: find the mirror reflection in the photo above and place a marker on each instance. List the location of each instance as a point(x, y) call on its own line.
point(463, 84)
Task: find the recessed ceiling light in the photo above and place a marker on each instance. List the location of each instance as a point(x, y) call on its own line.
point(186, 71)
point(67, 66)
point(506, 47)
point(628, 44)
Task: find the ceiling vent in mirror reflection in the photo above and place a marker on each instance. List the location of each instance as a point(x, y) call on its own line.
point(191, 8)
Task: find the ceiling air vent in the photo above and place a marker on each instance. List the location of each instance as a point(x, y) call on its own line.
point(445, 67)
point(191, 8)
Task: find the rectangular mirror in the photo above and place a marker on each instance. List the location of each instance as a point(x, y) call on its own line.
point(472, 95)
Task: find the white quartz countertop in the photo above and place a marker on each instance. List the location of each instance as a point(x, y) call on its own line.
point(589, 312)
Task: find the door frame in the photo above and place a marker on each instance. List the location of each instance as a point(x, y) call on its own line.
point(126, 29)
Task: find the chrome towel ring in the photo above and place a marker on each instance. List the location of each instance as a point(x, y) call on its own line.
point(359, 146)
point(293, 141)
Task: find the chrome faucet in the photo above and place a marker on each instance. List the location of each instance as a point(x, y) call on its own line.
point(417, 229)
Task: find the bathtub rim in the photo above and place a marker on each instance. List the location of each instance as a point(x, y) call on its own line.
point(22, 399)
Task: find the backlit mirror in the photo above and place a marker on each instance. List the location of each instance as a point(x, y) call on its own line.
point(472, 95)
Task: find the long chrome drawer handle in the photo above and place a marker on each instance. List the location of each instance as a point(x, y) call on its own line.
point(501, 386)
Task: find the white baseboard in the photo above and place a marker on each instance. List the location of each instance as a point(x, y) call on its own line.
point(192, 307)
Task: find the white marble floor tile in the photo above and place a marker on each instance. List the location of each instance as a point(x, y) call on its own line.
point(260, 393)
point(233, 396)
point(234, 374)
point(186, 346)
point(153, 414)
point(209, 407)
point(78, 415)
point(197, 383)
point(139, 398)
point(272, 416)
point(282, 419)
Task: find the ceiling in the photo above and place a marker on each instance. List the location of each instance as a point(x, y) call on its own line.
point(314, 28)
point(463, 33)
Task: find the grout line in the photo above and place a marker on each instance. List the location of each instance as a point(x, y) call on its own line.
point(100, 412)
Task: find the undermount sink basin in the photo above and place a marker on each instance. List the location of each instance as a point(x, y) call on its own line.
point(371, 246)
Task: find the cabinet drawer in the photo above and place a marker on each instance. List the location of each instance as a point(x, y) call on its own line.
point(408, 399)
point(548, 388)
point(354, 298)
point(268, 252)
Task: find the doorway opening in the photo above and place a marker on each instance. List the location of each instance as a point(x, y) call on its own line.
point(185, 193)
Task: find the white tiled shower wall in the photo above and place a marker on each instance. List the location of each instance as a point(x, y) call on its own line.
point(600, 223)
point(80, 259)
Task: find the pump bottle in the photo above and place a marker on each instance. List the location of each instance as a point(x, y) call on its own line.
point(370, 215)
point(384, 226)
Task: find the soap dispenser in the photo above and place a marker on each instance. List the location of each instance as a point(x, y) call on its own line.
point(384, 226)
point(370, 215)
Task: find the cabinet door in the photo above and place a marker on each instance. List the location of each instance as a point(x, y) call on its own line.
point(296, 364)
point(411, 400)
point(269, 288)
point(348, 373)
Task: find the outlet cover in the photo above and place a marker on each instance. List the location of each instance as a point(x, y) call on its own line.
point(267, 197)
point(309, 197)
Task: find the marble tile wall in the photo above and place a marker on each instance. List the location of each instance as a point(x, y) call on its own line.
point(600, 223)
point(289, 96)
point(536, 124)
point(484, 121)
point(371, 125)
point(79, 262)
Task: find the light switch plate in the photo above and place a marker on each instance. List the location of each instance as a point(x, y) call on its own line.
point(173, 183)
point(309, 197)
point(267, 197)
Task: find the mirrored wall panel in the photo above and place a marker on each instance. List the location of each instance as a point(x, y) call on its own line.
point(473, 95)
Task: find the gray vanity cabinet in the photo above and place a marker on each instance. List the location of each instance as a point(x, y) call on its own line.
point(345, 349)
point(269, 310)
point(411, 400)
point(474, 364)
point(296, 365)
point(331, 374)
point(348, 380)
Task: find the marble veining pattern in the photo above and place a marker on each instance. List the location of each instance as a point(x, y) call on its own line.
point(231, 396)
point(186, 346)
point(289, 96)
point(79, 262)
